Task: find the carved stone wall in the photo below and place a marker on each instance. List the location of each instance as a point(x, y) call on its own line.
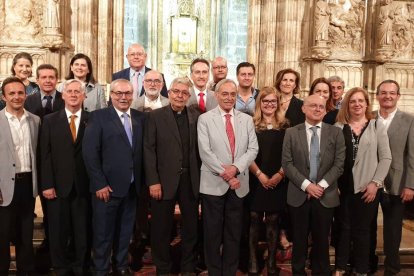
point(362, 41)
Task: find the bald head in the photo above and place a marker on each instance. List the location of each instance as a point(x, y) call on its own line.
point(314, 107)
point(219, 69)
point(136, 56)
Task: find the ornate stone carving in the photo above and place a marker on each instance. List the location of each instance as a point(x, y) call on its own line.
point(395, 29)
point(52, 37)
point(20, 22)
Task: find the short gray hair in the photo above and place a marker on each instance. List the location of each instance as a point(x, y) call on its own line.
point(224, 81)
point(66, 84)
point(182, 80)
point(118, 81)
point(336, 79)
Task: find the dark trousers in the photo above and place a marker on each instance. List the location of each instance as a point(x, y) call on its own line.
point(18, 217)
point(355, 217)
point(393, 213)
point(113, 222)
point(222, 221)
point(70, 230)
point(313, 216)
point(162, 218)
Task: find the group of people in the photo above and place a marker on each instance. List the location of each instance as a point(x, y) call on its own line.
point(313, 172)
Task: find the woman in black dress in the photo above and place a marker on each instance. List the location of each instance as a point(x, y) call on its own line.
point(322, 87)
point(268, 188)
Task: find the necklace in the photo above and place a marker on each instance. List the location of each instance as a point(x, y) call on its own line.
point(282, 103)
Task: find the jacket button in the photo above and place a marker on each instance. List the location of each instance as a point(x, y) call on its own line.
point(13, 178)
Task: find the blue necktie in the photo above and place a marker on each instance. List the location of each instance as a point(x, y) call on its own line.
point(127, 127)
point(314, 154)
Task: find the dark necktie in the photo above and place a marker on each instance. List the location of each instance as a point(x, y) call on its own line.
point(48, 107)
point(230, 135)
point(314, 155)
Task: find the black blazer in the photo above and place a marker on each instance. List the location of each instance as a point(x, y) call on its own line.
point(62, 165)
point(109, 157)
point(294, 112)
point(163, 154)
point(33, 104)
point(124, 74)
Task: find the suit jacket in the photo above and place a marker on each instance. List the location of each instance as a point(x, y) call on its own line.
point(211, 100)
point(294, 112)
point(163, 154)
point(139, 103)
point(8, 156)
point(214, 148)
point(373, 158)
point(109, 158)
point(62, 164)
point(401, 138)
point(33, 104)
point(125, 74)
point(295, 162)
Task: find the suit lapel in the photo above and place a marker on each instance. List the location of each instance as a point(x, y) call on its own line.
point(238, 125)
point(303, 141)
point(65, 126)
point(81, 129)
point(395, 124)
point(116, 120)
point(4, 124)
point(192, 124)
point(171, 123)
point(324, 141)
point(218, 122)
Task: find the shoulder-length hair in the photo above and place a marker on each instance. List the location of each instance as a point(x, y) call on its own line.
point(89, 77)
point(279, 121)
point(329, 103)
point(344, 115)
point(279, 78)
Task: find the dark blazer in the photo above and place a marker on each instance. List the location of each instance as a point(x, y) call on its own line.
point(62, 162)
point(163, 154)
point(294, 112)
point(109, 158)
point(295, 162)
point(33, 103)
point(124, 74)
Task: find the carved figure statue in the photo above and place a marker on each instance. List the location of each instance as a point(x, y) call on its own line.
point(52, 17)
point(385, 23)
point(321, 20)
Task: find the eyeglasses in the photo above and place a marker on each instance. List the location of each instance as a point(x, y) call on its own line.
point(156, 81)
point(178, 92)
point(73, 92)
point(219, 67)
point(120, 94)
point(269, 102)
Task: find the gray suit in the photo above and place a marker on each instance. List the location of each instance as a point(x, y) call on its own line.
point(211, 100)
point(311, 213)
point(8, 156)
point(139, 102)
point(222, 207)
point(215, 150)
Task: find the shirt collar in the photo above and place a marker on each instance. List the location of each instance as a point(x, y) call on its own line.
point(199, 91)
point(223, 113)
point(11, 116)
point(308, 126)
point(390, 116)
point(121, 112)
point(43, 94)
point(158, 99)
point(132, 71)
point(77, 113)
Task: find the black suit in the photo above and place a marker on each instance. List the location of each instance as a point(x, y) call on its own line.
point(171, 159)
point(125, 74)
point(33, 104)
point(63, 169)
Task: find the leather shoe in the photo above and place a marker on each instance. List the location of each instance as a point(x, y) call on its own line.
point(122, 272)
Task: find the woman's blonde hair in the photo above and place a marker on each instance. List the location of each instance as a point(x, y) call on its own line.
point(343, 114)
point(279, 121)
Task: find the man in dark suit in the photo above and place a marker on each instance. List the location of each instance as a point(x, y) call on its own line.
point(18, 179)
point(313, 159)
point(399, 183)
point(65, 182)
point(172, 173)
point(228, 145)
point(137, 57)
point(112, 150)
point(45, 101)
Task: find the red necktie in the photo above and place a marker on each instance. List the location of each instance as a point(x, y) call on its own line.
point(230, 135)
point(201, 103)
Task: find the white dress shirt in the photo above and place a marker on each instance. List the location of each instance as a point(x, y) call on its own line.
point(20, 132)
point(386, 121)
point(120, 113)
point(309, 134)
point(197, 93)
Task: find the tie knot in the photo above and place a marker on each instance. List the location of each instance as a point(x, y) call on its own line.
point(47, 97)
point(125, 115)
point(314, 129)
point(228, 116)
point(201, 94)
point(73, 116)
